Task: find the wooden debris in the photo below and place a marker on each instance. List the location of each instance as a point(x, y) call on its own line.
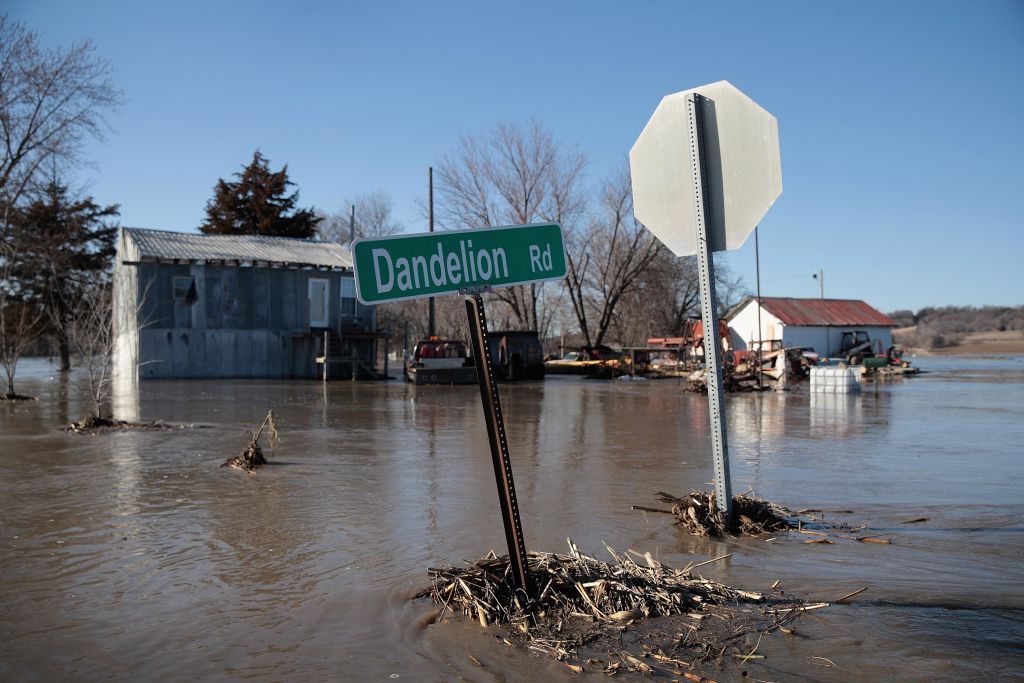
point(874, 539)
point(698, 679)
point(101, 425)
point(634, 664)
point(252, 456)
point(691, 567)
point(583, 601)
point(647, 509)
point(699, 514)
point(850, 595)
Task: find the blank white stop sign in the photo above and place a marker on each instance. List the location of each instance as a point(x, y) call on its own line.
point(744, 170)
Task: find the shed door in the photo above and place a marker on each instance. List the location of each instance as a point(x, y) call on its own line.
point(319, 295)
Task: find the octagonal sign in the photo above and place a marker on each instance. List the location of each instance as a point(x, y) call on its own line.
point(744, 171)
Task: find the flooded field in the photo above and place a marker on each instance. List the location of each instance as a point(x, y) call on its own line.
point(133, 555)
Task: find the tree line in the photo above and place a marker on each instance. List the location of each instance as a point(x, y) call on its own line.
point(941, 326)
point(55, 246)
point(622, 286)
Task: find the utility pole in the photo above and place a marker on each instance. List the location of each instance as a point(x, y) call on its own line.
point(820, 277)
point(430, 204)
point(352, 226)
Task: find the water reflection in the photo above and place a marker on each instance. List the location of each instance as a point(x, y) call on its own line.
point(124, 397)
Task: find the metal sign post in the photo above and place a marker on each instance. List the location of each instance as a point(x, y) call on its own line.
point(468, 262)
point(705, 170)
point(499, 444)
point(695, 105)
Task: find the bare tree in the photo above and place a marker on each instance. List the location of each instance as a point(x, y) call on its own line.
point(373, 218)
point(51, 101)
point(96, 319)
point(512, 176)
point(21, 318)
point(90, 330)
point(608, 260)
point(666, 300)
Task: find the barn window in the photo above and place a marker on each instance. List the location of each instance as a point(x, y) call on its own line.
point(185, 289)
point(348, 296)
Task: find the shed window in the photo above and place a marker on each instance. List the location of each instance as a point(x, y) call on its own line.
point(185, 289)
point(348, 296)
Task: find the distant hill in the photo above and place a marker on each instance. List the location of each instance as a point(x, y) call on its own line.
point(1000, 329)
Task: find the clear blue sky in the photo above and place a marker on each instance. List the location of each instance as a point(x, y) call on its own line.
point(900, 122)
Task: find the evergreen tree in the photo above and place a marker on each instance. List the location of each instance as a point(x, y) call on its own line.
point(63, 246)
point(257, 204)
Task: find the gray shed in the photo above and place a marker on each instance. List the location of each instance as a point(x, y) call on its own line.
point(194, 305)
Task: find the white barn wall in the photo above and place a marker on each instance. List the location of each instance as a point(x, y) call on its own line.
point(825, 340)
point(801, 336)
point(744, 324)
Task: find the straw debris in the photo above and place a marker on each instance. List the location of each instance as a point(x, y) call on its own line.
point(639, 613)
point(699, 514)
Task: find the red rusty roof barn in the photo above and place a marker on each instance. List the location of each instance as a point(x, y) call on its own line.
point(823, 312)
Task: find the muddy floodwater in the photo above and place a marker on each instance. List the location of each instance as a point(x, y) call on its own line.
point(132, 556)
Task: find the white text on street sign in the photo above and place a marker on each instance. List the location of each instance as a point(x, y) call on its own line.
point(432, 263)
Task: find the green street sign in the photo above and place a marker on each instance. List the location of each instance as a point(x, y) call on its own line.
point(432, 263)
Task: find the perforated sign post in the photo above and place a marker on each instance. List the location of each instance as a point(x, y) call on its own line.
point(469, 262)
point(705, 170)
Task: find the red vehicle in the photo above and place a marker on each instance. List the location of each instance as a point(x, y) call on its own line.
point(440, 361)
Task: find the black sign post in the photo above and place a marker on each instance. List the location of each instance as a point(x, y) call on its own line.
point(499, 444)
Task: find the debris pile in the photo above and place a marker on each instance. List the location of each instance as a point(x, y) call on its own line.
point(743, 371)
point(11, 398)
point(97, 425)
point(251, 456)
point(584, 601)
point(698, 513)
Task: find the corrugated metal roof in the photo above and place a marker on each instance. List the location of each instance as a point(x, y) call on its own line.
point(190, 246)
point(824, 312)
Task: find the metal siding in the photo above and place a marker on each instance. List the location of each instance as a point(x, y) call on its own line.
point(214, 296)
point(197, 365)
point(164, 352)
point(260, 291)
point(229, 298)
point(258, 354)
point(227, 355)
point(744, 322)
point(159, 298)
point(290, 308)
point(803, 336)
point(243, 325)
point(126, 324)
point(198, 273)
point(182, 309)
point(180, 342)
point(243, 353)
